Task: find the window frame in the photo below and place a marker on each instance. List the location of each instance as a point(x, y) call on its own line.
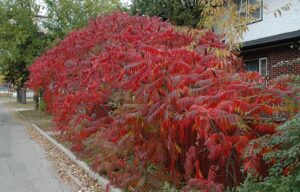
point(259, 65)
point(247, 13)
point(260, 68)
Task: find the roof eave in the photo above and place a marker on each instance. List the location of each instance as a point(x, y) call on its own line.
point(272, 40)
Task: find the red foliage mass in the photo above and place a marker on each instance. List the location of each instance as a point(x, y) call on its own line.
point(148, 89)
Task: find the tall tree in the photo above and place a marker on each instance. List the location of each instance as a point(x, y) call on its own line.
point(20, 39)
point(62, 16)
point(185, 13)
point(26, 29)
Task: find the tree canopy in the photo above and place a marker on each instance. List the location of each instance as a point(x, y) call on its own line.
point(183, 13)
point(26, 30)
point(62, 16)
point(20, 39)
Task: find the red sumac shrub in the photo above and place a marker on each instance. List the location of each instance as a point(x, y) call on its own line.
point(136, 91)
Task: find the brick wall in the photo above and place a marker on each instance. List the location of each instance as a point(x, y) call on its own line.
point(281, 59)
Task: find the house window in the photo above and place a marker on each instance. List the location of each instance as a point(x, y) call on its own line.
point(260, 65)
point(256, 7)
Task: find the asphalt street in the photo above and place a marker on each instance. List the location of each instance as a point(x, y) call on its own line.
point(23, 163)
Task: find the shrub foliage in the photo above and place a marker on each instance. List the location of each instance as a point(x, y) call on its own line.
point(283, 156)
point(280, 151)
point(151, 103)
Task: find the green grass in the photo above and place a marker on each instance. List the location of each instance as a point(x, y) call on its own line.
point(44, 121)
point(6, 98)
point(29, 105)
point(40, 118)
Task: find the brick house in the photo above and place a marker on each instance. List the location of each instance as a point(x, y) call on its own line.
point(271, 46)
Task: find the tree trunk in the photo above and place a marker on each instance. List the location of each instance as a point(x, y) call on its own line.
point(41, 100)
point(23, 99)
point(19, 95)
point(36, 101)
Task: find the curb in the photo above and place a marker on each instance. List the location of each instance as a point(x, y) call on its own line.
point(105, 183)
point(22, 116)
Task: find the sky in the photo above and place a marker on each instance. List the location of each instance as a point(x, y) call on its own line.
point(126, 2)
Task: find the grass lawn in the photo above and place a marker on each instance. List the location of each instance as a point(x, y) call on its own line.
point(40, 118)
point(44, 121)
point(5, 98)
point(16, 105)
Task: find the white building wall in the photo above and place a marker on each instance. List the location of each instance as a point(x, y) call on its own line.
point(29, 94)
point(270, 25)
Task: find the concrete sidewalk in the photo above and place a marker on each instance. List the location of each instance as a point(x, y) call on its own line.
point(23, 163)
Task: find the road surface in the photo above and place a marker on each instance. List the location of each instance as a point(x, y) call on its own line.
point(23, 163)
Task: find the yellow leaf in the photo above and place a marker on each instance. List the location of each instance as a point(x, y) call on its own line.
point(178, 149)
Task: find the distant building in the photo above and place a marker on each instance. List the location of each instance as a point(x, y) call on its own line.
point(272, 44)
